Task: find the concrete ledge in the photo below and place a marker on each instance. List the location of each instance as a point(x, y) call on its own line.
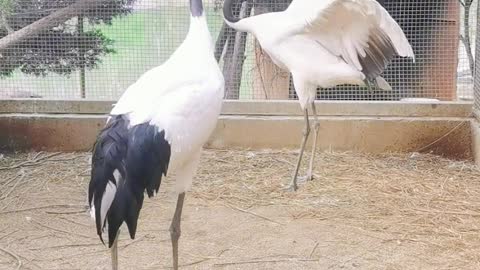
point(475, 124)
point(20, 132)
point(55, 106)
point(350, 108)
point(450, 137)
point(258, 107)
point(58, 132)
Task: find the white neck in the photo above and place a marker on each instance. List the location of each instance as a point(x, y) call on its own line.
point(243, 25)
point(199, 36)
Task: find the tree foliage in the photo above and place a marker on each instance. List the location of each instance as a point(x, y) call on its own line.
point(63, 48)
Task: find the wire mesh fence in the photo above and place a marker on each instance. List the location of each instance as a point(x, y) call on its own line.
point(476, 91)
point(103, 46)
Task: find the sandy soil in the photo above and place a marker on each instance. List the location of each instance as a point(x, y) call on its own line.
point(361, 212)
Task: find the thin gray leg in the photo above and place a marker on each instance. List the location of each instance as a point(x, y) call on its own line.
point(316, 126)
point(114, 252)
point(306, 131)
point(175, 228)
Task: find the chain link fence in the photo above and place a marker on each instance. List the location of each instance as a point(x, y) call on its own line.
point(477, 73)
point(102, 46)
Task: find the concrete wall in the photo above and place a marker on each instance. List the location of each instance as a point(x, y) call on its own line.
point(256, 107)
point(443, 128)
point(475, 124)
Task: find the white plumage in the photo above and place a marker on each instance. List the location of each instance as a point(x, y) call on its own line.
point(327, 43)
point(182, 97)
point(160, 123)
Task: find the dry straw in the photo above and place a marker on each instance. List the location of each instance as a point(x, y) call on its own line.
point(409, 197)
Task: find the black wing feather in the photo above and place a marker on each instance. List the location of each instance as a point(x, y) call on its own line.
point(141, 154)
point(379, 53)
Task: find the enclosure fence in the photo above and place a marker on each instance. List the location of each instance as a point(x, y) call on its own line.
point(476, 105)
point(105, 45)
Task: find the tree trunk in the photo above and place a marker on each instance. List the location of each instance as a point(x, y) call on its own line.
point(81, 50)
point(222, 38)
point(235, 56)
point(466, 40)
point(52, 20)
point(4, 23)
point(270, 81)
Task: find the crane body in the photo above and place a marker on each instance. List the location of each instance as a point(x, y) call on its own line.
point(326, 43)
point(159, 125)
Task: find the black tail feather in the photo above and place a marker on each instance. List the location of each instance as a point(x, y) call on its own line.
point(379, 53)
point(148, 156)
point(125, 207)
point(141, 155)
point(108, 152)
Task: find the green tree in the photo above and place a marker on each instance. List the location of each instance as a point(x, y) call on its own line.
point(42, 36)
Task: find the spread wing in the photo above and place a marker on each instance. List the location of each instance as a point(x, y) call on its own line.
point(362, 32)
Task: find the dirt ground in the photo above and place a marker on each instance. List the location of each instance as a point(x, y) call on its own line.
point(402, 211)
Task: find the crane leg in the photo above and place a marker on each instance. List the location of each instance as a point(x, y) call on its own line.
point(175, 228)
point(306, 131)
point(370, 89)
point(316, 126)
point(114, 252)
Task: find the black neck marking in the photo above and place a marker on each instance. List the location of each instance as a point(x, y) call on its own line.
point(196, 8)
point(228, 11)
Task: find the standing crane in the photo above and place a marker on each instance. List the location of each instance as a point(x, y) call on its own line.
point(161, 122)
point(326, 43)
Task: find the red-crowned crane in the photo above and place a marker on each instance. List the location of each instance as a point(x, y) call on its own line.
point(326, 43)
point(161, 122)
